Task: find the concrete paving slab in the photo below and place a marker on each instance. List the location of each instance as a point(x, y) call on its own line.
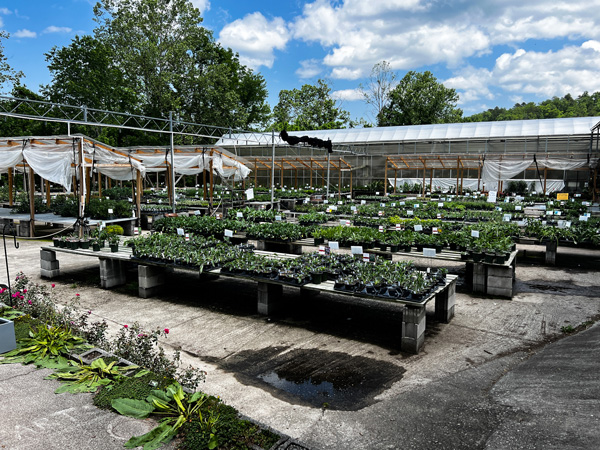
point(442, 398)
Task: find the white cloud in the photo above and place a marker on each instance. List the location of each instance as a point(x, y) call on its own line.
point(25, 33)
point(471, 84)
point(309, 68)
point(55, 29)
point(255, 38)
point(347, 94)
point(202, 5)
point(5, 11)
point(411, 34)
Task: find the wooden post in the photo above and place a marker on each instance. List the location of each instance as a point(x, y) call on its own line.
point(99, 184)
point(423, 187)
point(255, 172)
point(385, 182)
point(47, 183)
point(281, 178)
point(10, 186)
point(211, 179)
point(595, 186)
point(339, 180)
point(545, 177)
point(351, 182)
point(31, 203)
point(204, 184)
point(395, 180)
point(311, 170)
point(462, 179)
point(296, 178)
point(138, 196)
point(457, 169)
point(430, 181)
point(88, 184)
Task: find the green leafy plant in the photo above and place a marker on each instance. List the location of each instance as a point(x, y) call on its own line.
point(79, 377)
point(46, 346)
point(176, 407)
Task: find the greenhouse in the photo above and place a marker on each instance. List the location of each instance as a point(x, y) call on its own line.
point(548, 154)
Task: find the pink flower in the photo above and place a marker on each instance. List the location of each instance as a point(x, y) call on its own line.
point(76, 295)
point(53, 285)
point(125, 326)
point(166, 331)
point(29, 301)
point(89, 312)
point(24, 291)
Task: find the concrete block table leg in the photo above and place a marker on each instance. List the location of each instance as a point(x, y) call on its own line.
point(270, 298)
point(444, 303)
point(551, 247)
point(151, 279)
point(49, 266)
point(413, 329)
point(479, 277)
point(112, 273)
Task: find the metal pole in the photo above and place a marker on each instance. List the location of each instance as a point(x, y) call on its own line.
point(328, 156)
point(273, 171)
point(172, 158)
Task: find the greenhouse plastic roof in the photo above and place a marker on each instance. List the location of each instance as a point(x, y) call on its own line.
point(439, 132)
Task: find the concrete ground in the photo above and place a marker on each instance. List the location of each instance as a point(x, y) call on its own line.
point(500, 375)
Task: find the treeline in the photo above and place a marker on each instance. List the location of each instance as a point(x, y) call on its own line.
point(585, 105)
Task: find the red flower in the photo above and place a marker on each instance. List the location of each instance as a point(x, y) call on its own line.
point(166, 331)
point(76, 295)
point(125, 326)
point(53, 285)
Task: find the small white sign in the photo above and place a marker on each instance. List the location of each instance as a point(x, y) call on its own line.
point(363, 202)
point(518, 208)
point(380, 213)
point(240, 215)
point(416, 205)
point(429, 252)
point(381, 229)
point(583, 218)
point(187, 236)
point(353, 208)
point(418, 227)
point(356, 249)
point(402, 203)
point(110, 210)
point(475, 233)
point(340, 202)
point(382, 205)
point(410, 212)
point(438, 215)
point(398, 227)
point(278, 218)
point(249, 194)
point(492, 196)
point(435, 230)
point(506, 217)
point(325, 202)
point(321, 249)
point(228, 233)
point(441, 205)
point(334, 245)
point(197, 212)
point(366, 257)
point(180, 231)
point(393, 205)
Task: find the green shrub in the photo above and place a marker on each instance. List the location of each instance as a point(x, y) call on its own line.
point(114, 229)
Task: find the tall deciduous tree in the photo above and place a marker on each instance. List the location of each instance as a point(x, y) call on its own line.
point(7, 73)
point(420, 99)
point(85, 74)
point(309, 108)
point(174, 64)
point(377, 92)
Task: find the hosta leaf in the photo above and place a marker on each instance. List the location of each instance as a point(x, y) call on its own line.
point(137, 409)
point(154, 439)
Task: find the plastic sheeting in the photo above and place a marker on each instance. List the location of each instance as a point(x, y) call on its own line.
point(446, 184)
point(52, 163)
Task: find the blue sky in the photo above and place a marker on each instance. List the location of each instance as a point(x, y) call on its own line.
point(493, 52)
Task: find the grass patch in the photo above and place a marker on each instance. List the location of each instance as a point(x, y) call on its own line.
point(232, 432)
point(136, 388)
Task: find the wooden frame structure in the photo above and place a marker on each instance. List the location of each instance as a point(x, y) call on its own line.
point(462, 162)
point(294, 164)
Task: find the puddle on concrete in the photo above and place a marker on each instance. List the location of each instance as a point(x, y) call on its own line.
point(319, 378)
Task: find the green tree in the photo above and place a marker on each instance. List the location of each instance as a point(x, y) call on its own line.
point(7, 73)
point(309, 108)
point(85, 74)
point(420, 99)
point(174, 64)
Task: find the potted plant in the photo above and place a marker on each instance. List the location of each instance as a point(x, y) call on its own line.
point(113, 242)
